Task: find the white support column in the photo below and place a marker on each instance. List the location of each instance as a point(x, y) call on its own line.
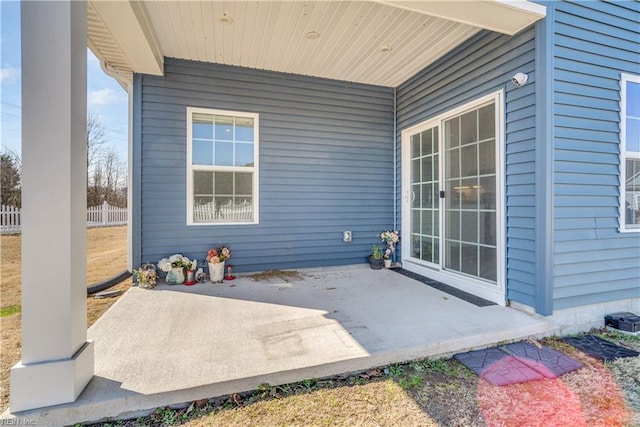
point(57, 360)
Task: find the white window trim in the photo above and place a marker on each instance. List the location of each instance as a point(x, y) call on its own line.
point(256, 166)
point(624, 79)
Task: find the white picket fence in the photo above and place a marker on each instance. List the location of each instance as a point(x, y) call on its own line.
point(97, 216)
point(104, 215)
point(10, 219)
point(209, 212)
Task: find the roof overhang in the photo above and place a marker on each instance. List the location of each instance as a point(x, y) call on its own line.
point(121, 37)
point(501, 16)
point(382, 42)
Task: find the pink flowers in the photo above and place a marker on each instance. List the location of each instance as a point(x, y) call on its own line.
point(390, 238)
point(219, 254)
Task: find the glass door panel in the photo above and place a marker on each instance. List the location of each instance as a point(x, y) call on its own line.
point(470, 198)
point(425, 187)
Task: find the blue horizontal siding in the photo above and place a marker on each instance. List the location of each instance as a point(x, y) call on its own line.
point(598, 282)
point(520, 265)
point(581, 190)
point(520, 190)
point(585, 179)
point(599, 147)
point(326, 150)
point(477, 67)
point(594, 42)
point(522, 222)
point(613, 293)
point(605, 243)
point(520, 233)
point(594, 255)
point(583, 212)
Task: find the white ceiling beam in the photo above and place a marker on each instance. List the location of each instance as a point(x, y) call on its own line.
point(502, 16)
point(130, 29)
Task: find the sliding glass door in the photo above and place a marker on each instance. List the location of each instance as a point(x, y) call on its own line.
point(451, 209)
point(470, 193)
point(425, 201)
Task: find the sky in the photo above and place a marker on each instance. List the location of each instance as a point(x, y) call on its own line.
point(105, 97)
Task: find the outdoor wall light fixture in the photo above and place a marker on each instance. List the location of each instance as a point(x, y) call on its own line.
point(226, 19)
point(385, 48)
point(520, 79)
point(312, 35)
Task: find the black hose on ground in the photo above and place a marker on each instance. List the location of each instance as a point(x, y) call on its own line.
point(106, 284)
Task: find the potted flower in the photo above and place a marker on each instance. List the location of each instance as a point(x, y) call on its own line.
point(387, 258)
point(390, 238)
point(375, 259)
point(146, 276)
point(216, 258)
point(190, 279)
point(174, 266)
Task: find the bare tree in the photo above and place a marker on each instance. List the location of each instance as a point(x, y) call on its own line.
point(95, 193)
point(10, 178)
point(108, 180)
point(114, 177)
point(106, 170)
point(96, 140)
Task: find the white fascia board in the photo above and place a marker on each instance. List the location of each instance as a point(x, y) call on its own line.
point(127, 23)
point(502, 16)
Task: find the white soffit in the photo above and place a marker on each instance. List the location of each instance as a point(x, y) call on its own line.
point(102, 44)
point(270, 35)
point(502, 16)
point(122, 26)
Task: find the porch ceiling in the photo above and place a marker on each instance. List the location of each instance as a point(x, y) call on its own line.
point(376, 42)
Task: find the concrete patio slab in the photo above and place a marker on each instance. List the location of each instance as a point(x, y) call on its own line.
point(176, 344)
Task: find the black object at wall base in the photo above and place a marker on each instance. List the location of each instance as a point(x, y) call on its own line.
point(624, 321)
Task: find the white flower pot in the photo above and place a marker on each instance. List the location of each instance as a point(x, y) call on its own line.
point(387, 263)
point(216, 272)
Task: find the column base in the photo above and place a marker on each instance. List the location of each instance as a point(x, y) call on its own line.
point(37, 385)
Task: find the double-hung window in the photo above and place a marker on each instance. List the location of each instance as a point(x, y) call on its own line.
point(630, 153)
point(222, 167)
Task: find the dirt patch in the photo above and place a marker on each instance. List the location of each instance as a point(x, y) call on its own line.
point(270, 275)
point(106, 257)
point(444, 389)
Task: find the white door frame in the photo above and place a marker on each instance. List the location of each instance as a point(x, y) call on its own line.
point(489, 291)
